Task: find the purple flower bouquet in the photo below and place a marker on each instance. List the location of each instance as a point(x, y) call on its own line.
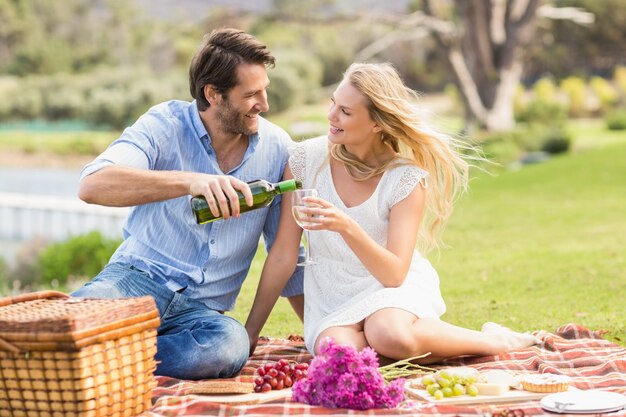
point(341, 377)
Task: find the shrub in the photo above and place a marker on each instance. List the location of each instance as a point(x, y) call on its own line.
point(284, 89)
point(604, 91)
point(616, 120)
point(108, 97)
point(503, 147)
point(81, 256)
point(545, 90)
point(619, 77)
point(519, 99)
point(543, 112)
point(107, 107)
point(575, 90)
point(506, 148)
point(334, 61)
point(28, 104)
point(63, 104)
point(9, 87)
point(143, 93)
point(25, 273)
point(556, 141)
point(4, 278)
point(307, 67)
point(293, 81)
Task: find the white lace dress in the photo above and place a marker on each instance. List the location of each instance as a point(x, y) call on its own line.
point(339, 290)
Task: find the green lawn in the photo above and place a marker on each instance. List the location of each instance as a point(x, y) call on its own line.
point(531, 249)
point(57, 142)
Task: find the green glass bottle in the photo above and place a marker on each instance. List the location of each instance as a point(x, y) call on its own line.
point(263, 194)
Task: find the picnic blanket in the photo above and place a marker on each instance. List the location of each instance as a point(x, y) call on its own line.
point(591, 361)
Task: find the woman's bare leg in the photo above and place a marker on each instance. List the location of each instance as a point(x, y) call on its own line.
point(344, 335)
point(398, 334)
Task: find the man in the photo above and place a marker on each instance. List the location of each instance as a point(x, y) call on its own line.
point(211, 147)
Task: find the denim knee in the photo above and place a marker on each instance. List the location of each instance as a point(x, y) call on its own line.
point(232, 354)
point(208, 349)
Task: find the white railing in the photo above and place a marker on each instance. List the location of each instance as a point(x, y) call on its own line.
point(25, 216)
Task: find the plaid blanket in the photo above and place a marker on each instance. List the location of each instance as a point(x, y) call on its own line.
point(591, 361)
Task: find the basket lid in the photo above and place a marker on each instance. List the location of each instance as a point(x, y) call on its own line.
point(53, 316)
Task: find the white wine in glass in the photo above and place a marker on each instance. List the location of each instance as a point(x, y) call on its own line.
point(303, 219)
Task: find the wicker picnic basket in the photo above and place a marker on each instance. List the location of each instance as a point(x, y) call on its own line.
point(72, 357)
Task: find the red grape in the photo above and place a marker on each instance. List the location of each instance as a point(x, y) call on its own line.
point(279, 375)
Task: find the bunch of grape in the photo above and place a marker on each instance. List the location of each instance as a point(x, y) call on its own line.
point(279, 375)
point(448, 384)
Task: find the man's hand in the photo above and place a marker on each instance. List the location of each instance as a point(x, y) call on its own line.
point(220, 192)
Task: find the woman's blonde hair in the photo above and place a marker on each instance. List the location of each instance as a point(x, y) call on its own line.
point(391, 106)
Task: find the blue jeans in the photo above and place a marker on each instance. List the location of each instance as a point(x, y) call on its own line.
point(193, 341)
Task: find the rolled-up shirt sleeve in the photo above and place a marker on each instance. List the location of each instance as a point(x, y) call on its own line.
point(119, 153)
point(137, 147)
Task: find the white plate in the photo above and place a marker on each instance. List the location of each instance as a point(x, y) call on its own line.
point(592, 401)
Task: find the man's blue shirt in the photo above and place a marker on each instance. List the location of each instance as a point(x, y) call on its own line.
point(212, 260)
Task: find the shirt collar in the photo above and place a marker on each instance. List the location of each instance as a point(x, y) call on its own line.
point(201, 131)
point(196, 121)
point(253, 140)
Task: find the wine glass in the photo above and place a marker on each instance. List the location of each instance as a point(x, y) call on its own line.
point(303, 219)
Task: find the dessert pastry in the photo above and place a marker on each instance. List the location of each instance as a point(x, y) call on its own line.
point(545, 383)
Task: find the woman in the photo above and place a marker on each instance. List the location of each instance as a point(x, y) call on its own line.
point(379, 173)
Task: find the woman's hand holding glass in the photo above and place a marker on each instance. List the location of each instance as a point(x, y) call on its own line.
point(299, 205)
point(323, 215)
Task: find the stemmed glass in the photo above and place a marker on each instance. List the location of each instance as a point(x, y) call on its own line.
point(303, 219)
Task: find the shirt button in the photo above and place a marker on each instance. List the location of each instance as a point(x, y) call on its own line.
point(212, 241)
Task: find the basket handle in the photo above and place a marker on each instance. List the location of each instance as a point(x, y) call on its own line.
point(38, 295)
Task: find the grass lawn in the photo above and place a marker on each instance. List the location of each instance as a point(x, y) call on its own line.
point(531, 249)
point(57, 142)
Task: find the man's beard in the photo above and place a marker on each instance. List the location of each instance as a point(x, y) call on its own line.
point(232, 121)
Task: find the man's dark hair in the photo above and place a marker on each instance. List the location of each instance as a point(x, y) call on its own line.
point(217, 59)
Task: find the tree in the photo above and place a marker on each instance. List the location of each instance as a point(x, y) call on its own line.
point(483, 42)
point(11, 30)
point(485, 55)
point(567, 48)
point(49, 36)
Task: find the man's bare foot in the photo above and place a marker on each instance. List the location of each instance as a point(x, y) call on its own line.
point(511, 340)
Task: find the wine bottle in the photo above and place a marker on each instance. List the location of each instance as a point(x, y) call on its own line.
point(263, 194)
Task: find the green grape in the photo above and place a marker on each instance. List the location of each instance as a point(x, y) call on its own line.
point(458, 389)
point(444, 382)
point(438, 394)
point(432, 388)
point(447, 392)
point(470, 380)
point(444, 374)
point(472, 390)
point(428, 380)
